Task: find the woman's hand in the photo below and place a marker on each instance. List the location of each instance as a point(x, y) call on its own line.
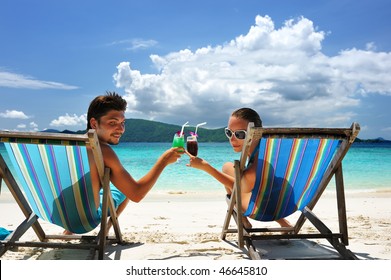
point(196, 162)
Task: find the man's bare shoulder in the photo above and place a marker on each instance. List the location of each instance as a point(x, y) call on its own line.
point(107, 151)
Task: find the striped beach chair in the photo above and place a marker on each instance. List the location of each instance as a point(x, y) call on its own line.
point(294, 167)
point(49, 177)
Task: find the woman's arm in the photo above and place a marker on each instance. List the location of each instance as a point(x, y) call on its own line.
point(226, 177)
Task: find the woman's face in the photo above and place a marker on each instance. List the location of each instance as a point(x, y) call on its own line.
point(235, 124)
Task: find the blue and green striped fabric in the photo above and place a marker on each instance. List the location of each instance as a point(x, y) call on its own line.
point(56, 180)
point(288, 174)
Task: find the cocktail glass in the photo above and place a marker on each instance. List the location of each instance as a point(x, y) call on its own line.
point(178, 140)
point(192, 145)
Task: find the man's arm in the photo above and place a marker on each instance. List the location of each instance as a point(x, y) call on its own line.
point(120, 177)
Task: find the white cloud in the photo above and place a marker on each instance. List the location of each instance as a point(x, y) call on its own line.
point(13, 114)
point(33, 125)
point(70, 120)
point(371, 46)
point(12, 80)
point(136, 44)
point(21, 126)
point(282, 73)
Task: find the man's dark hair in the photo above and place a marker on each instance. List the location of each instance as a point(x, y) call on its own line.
point(104, 103)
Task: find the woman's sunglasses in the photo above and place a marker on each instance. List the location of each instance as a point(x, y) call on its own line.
point(239, 134)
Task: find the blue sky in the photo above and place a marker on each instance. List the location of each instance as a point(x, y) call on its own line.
point(298, 63)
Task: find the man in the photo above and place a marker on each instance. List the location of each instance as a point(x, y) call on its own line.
point(106, 114)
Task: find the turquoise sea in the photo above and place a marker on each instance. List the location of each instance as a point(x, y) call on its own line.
point(366, 166)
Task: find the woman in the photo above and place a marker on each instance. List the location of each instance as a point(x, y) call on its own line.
point(236, 133)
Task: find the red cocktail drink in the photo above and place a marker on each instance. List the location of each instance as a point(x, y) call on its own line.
point(192, 145)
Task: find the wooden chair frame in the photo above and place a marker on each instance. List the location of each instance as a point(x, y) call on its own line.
point(338, 240)
point(93, 242)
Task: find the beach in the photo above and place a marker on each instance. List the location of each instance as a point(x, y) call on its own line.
point(187, 226)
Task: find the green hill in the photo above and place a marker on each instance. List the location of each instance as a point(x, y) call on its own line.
point(139, 130)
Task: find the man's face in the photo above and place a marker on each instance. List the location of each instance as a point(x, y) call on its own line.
point(110, 127)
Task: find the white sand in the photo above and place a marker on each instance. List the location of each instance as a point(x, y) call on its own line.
point(187, 226)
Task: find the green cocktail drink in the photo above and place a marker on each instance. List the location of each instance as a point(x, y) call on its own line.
point(178, 141)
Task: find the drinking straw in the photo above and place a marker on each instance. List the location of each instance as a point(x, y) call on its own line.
point(183, 127)
point(198, 126)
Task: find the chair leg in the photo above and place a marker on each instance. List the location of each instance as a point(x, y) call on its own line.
point(235, 208)
point(228, 215)
point(238, 211)
point(19, 231)
point(107, 205)
point(101, 238)
point(252, 251)
point(323, 229)
point(341, 205)
point(114, 221)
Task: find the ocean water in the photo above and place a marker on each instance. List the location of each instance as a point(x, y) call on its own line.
point(138, 158)
point(365, 167)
